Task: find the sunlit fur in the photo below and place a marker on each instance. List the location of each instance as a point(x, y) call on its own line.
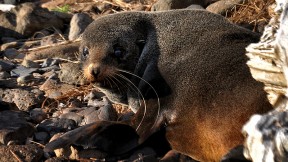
point(189, 75)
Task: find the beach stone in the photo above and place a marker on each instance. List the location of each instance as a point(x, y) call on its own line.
point(8, 83)
point(42, 137)
point(162, 5)
point(30, 64)
point(26, 19)
point(23, 99)
point(56, 125)
point(11, 53)
point(14, 127)
point(22, 71)
point(78, 24)
point(71, 73)
point(27, 153)
point(25, 79)
point(4, 75)
point(224, 6)
point(73, 116)
point(6, 65)
point(37, 115)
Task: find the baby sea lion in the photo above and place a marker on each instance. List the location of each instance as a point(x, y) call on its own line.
point(184, 70)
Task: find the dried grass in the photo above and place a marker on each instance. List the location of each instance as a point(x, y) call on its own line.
point(253, 12)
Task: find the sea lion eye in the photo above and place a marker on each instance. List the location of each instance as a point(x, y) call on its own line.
point(85, 52)
point(118, 52)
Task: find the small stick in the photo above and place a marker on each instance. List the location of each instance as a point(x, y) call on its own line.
point(16, 156)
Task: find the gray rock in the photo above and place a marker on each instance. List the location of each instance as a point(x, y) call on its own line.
point(94, 95)
point(22, 71)
point(25, 79)
point(6, 65)
point(78, 24)
point(54, 89)
point(8, 40)
point(93, 114)
point(55, 125)
point(224, 6)
point(11, 53)
point(26, 19)
point(195, 7)
point(98, 102)
point(8, 83)
point(37, 115)
point(42, 137)
point(14, 127)
point(71, 73)
point(4, 75)
point(73, 116)
point(27, 153)
point(162, 5)
point(24, 99)
point(30, 64)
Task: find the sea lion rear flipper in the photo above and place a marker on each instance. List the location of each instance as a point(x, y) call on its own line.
point(111, 137)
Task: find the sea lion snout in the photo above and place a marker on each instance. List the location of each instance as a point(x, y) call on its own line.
point(97, 73)
point(94, 70)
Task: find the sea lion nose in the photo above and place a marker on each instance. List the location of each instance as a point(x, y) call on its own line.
point(94, 70)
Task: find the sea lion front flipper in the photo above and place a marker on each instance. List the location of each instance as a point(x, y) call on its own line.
point(235, 155)
point(111, 137)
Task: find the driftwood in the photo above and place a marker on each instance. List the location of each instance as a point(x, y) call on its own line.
point(267, 135)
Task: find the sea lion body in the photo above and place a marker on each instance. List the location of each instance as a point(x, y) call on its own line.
point(195, 61)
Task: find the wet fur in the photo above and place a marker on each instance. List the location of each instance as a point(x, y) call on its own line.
point(196, 62)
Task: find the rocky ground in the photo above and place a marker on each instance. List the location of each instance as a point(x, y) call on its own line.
point(42, 91)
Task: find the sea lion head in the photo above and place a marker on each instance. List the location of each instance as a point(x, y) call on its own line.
point(109, 45)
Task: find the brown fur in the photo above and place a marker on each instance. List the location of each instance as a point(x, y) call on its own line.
point(196, 62)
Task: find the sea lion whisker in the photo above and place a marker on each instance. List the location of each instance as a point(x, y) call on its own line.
point(122, 84)
point(144, 102)
point(110, 79)
point(129, 87)
point(80, 76)
point(158, 100)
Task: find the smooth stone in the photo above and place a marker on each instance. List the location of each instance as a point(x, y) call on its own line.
point(55, 125)
point(4, 75)
point(14, 127)
point(22, 71)
point(6, 65)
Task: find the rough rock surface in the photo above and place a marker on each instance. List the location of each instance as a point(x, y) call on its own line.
point(162, 5)
point(14, 127)
point(77, 25)
point(24, 99)
point(26, 19)
point(16, 153)
point(224, 6)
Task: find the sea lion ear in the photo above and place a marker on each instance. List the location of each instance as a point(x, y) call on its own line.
point(140, 41)
point(141, 44)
